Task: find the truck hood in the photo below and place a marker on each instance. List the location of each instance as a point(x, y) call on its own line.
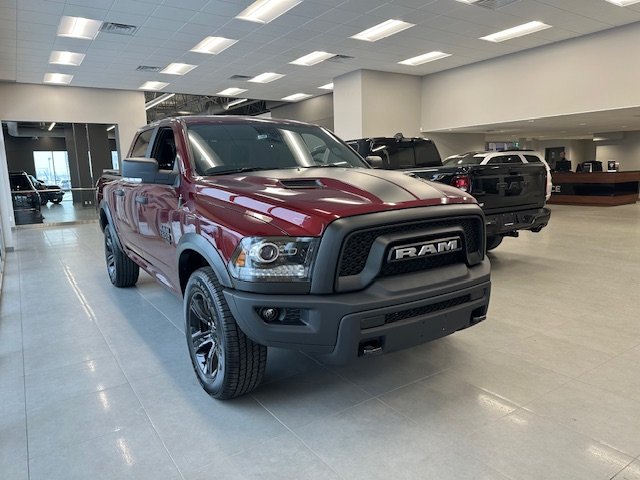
point(304, 201)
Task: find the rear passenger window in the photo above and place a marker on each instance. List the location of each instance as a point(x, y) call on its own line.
point(395, 155)
point(532, 159)
point(502, 159)
point(142, 142)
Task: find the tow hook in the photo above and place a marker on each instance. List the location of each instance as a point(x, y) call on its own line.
point(369, 348)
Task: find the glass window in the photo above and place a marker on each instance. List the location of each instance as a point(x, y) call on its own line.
point(227, 148)
point(395, 155)
point(502, 159)
point(52, 167)
point(466, 159)
point(142, 142)
point(164, 150)
point(533, 159)
point(20, 182)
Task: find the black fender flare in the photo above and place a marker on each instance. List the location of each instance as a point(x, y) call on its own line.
point(197, 243)
point(104, 207)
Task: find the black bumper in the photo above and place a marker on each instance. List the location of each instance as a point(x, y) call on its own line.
point(393, 313)
point(535, 219)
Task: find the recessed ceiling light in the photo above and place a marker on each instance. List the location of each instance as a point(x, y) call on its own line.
point(266, 77)
point(78, 27)
point(58, 78)
point(296, 97)
point(622, 3)
point(152, 86)
point(313, 58)
point(518, 31)
point(427, 57)
point(66, 58)
point(178, 68)
point(382, 30)
point(232, 91)
point(328, 86)
point(213, 45)
point(264, 11)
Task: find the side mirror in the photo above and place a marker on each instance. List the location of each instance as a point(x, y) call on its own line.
point(145, 170)
point(374, 160)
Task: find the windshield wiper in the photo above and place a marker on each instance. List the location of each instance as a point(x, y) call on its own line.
point(215, 171)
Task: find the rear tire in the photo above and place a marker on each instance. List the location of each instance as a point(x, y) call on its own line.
point(493, 241)
point(122, 271)
point(227, 363)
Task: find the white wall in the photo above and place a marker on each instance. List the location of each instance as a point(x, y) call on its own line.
point(6, 210)
point(347, 105)
point(454, 143)
point(626, 151)
point(49, 103)
point(316, 110)
point(590, 73)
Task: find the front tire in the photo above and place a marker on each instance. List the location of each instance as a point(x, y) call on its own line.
point(493, 241)
point(123, 272)
point(227, 363)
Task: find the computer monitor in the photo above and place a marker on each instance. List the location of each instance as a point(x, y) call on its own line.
point(563, 166)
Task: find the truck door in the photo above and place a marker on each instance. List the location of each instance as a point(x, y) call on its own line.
point(158, 212)
point(122, 198)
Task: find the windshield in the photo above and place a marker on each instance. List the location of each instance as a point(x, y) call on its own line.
point(466, 159)
point(219, 149)
point(20, 182)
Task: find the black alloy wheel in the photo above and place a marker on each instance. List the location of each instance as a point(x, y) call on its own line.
point(122, 271)
point(226, 362)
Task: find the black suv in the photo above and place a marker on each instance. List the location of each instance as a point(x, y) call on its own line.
point(48, 193)
point(24, 194)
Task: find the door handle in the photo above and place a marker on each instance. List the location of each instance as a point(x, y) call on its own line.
point(119, 193)
point(141, 199)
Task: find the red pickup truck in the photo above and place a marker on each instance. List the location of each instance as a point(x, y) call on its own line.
point(276, 233)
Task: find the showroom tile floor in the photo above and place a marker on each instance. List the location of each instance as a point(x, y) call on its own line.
point(95, 382)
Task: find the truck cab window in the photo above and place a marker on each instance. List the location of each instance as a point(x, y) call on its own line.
point(395, 155)
point(164, 150)
point(142, 142)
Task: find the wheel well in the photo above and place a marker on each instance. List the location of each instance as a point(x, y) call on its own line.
point(189, 262)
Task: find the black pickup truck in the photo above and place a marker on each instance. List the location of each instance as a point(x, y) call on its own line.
point(511, 187)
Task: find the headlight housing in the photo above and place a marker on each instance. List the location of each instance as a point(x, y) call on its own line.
point(274, 259)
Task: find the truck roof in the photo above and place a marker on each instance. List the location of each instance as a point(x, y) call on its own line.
point(224, 119)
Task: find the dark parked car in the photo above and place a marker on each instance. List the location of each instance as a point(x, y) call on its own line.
point(24, 194)
point(48, 193)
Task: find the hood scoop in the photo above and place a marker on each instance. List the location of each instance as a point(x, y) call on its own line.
point(302, 183)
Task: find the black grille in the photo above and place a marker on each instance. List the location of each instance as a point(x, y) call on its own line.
point(358, 244)
point(434, 307)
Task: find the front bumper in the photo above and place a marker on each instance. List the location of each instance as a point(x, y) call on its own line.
point(391, 314)
point(535, 219)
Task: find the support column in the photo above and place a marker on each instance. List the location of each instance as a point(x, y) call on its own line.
point(368, 103)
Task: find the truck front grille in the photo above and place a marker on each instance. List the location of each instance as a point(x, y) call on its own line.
point(434, 307)
point(357, 246)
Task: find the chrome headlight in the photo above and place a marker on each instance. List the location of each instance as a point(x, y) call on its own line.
point(274, 259)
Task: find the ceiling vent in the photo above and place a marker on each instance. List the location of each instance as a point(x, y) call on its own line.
point(148, 68)
point(494, 4)
point(118, 28)
point(240, 77)
point(339, 58)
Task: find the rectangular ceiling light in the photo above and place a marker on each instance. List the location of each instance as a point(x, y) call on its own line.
point(231, 92)
point(158, 100)
point(313, 58)
point(78, 27)
point(264, 11)
point(383, 30)
point(427, 57)
point(178, 68)
point(58, 78)
point(519, 31)
point(296, 97)
point(266, 77)
point(213, 45)
point(152, 86)
point(328, 86)
point(111, 128)
point(470, 2)
point(66, 58)
point(622, 3)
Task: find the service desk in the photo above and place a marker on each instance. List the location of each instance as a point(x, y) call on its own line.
point(597, 188)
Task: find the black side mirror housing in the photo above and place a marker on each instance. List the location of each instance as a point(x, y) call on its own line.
point(145, 170)
point(374, 160)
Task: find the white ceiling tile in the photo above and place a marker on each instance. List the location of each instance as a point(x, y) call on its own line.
point(38, 18)
point(132, 6)
point(125, 18)
point(85, 12)
point(102, 4)
point(41, 6)
point(186, 4)
point(171, 13)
